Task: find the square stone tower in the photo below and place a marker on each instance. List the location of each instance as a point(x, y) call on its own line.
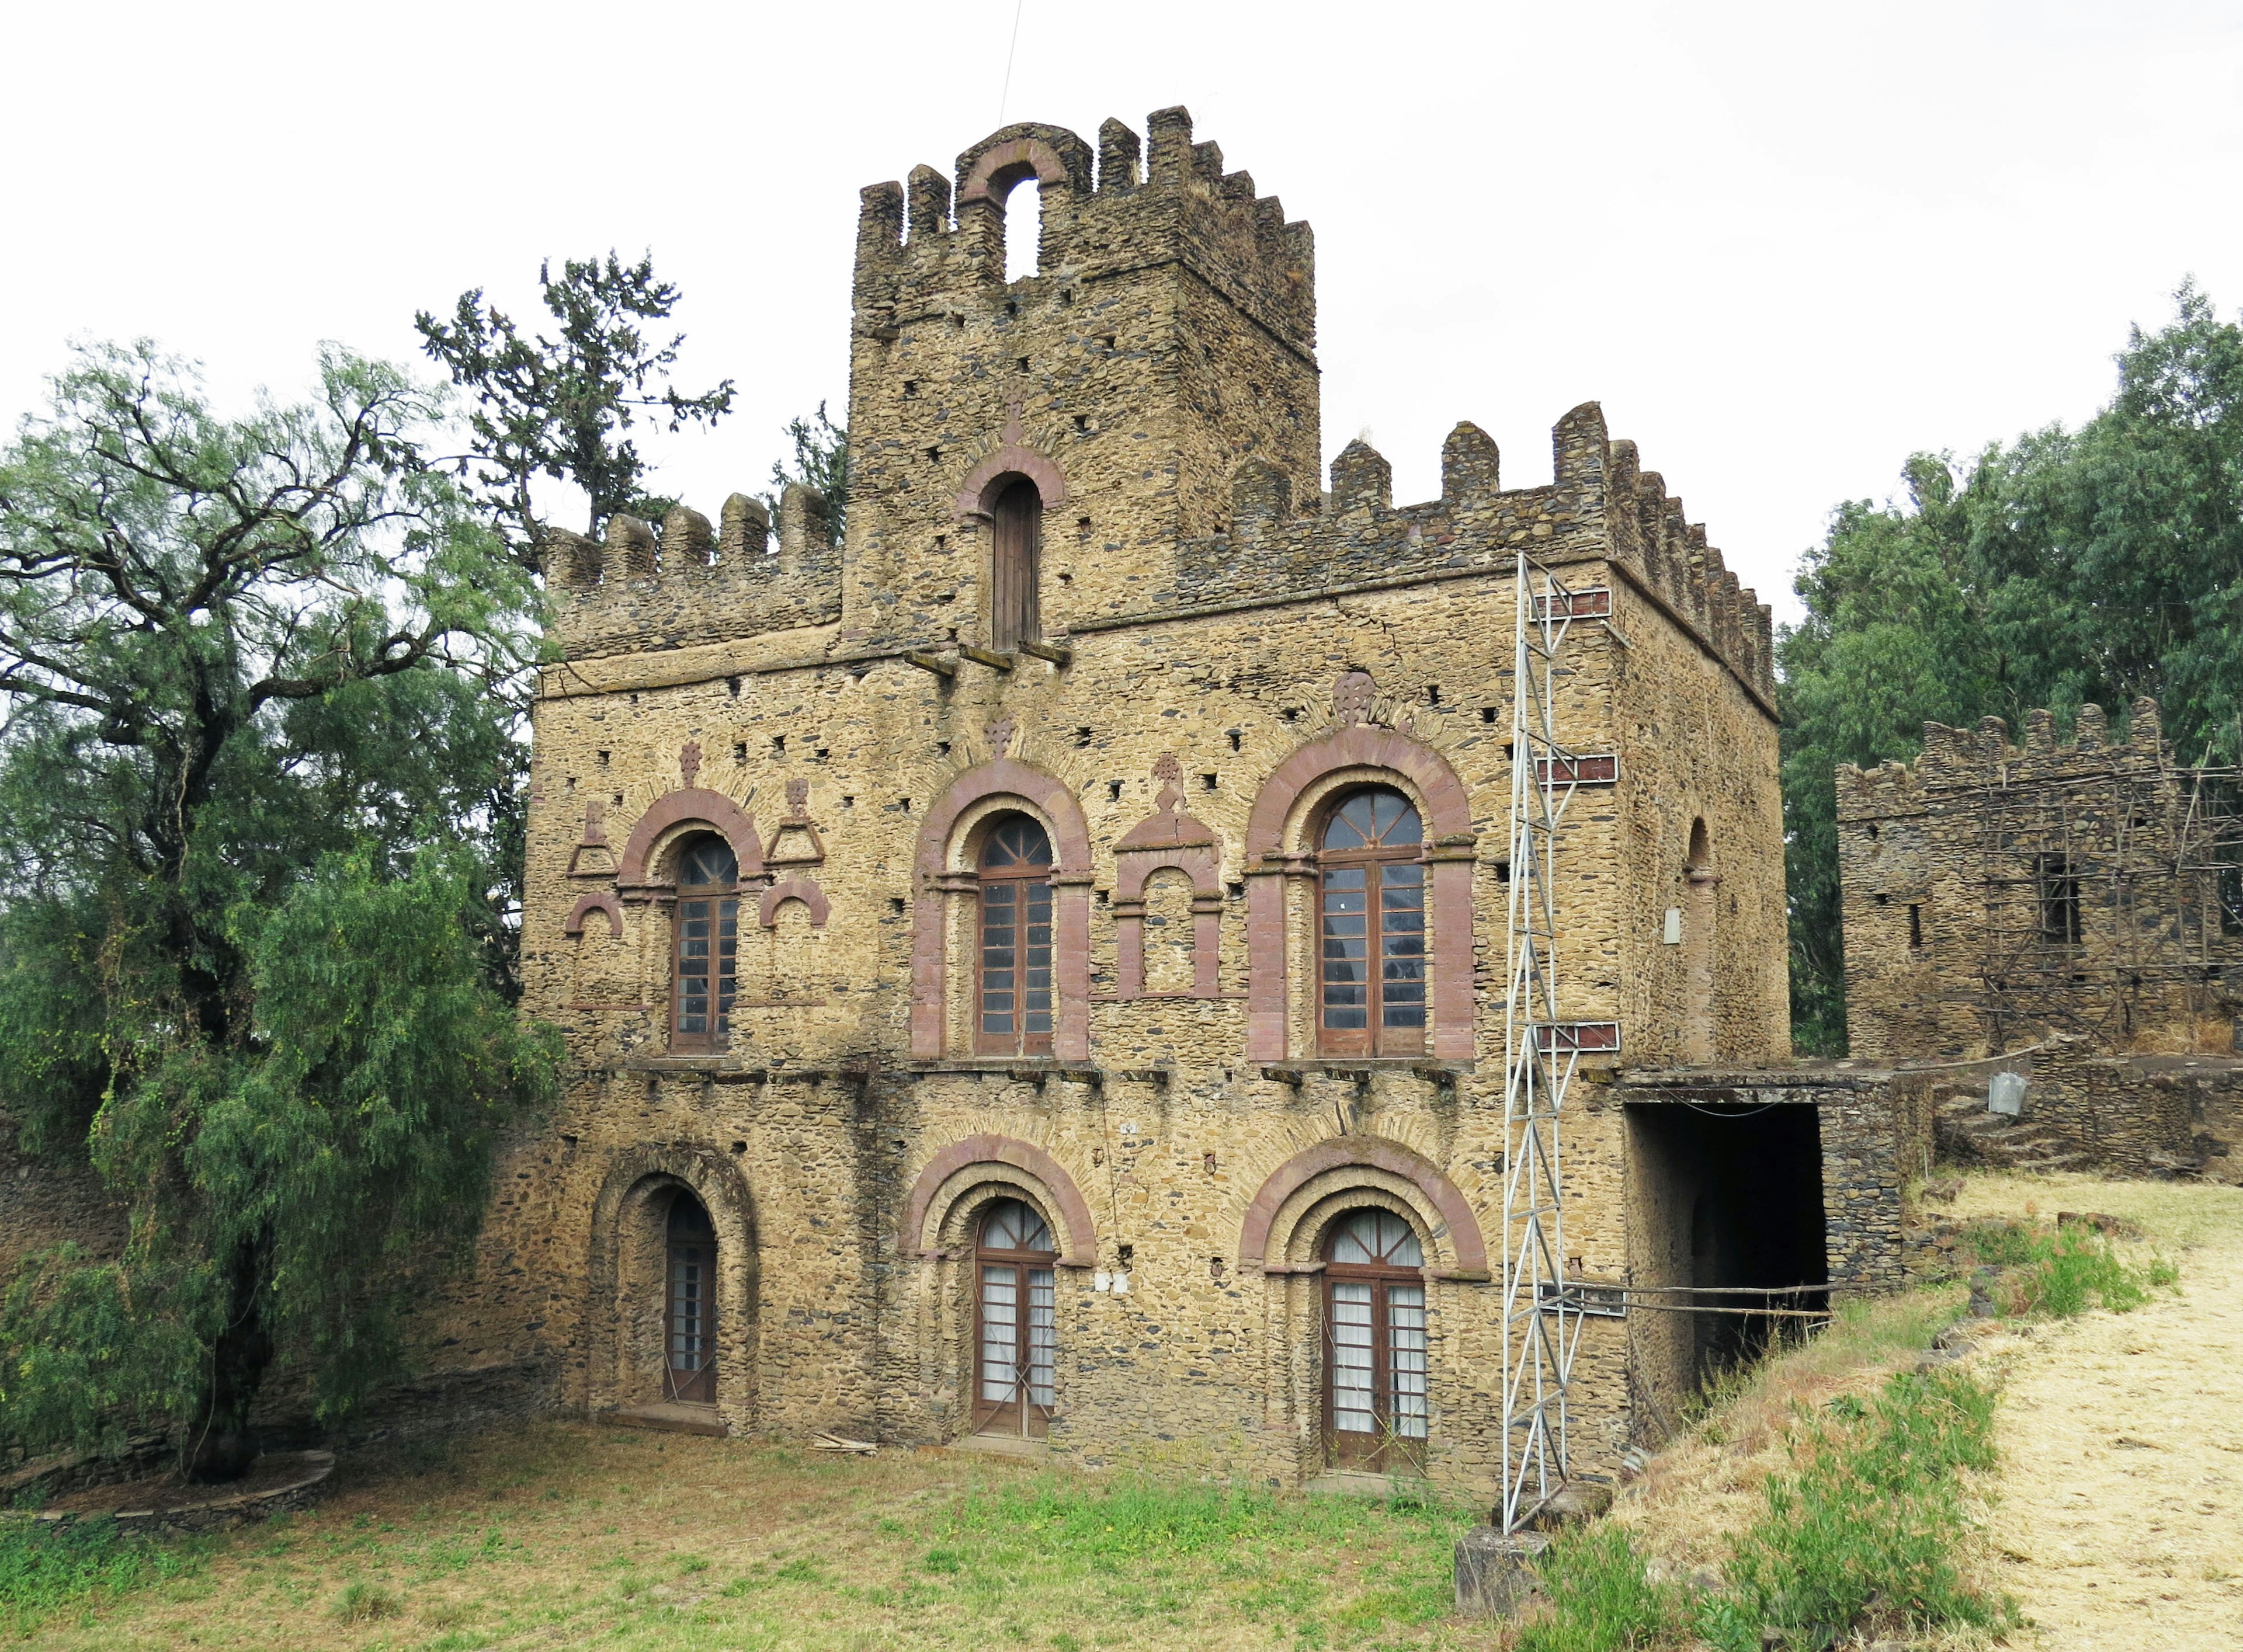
point(1033, 969)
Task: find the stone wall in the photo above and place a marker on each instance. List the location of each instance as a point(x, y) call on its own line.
point(1949, 866)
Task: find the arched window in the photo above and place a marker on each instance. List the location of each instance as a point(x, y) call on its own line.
point(1017, 1331)
point(1700, 886)
point(1016, 550)
point(1014, 996)
point(689, 1366)
point(1376, 1413)
point(707, 944)
point(1371, 907)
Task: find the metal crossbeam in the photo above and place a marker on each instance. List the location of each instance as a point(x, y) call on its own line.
point(1541, 1319)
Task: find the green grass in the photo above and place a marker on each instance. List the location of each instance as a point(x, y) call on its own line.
point(46, 1569)
point(547, 1535)
point(2061, 1271)
point(1865, 1530)
point(1597, 1598)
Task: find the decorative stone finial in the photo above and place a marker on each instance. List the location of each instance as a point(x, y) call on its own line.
point(1000, 737)
point(1351, 698)
point(689, 761)
point(1168, 771)
point(798, 798)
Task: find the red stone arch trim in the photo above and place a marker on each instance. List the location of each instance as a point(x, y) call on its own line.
point(1006, 777)
point(598, 901)
point(1448, 808)
point(801, 889)
point(996, 1152)
point(1006, 163)
point(1011, 459)
point(711, 808)
point(1449, 833)
point(1259, 1247)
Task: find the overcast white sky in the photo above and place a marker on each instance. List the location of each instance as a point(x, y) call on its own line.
point(1783, 245)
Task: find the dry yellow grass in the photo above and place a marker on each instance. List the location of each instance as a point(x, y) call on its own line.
point(2120, 1510)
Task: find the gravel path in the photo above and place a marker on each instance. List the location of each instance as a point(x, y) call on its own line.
point(2120, 1504)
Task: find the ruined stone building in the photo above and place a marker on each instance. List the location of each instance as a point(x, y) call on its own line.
point(2081, 903)
point(1033, 966)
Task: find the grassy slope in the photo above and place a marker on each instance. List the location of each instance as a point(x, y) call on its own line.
point(558, 1535)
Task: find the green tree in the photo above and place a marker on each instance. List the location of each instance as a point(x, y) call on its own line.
point(560, 408)
point(821, 464)
point(2066, 566)
point(247, 779)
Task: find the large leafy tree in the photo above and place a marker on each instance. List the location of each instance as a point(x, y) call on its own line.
point(251, 758)
point(2069, 566)
point(560, 408)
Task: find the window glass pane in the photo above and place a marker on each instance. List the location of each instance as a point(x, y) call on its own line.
point(1017, 842)
point(1351, 826)
point(707, 863)
point(1043, 1334)
point(1000, 1330)
point(695, 921)
point(1346, 943)
point(1397, 820)
point(1012, 1225)
point(1405, 1341)
point(1358, 1239)
point(1398, 1241)
point(1351, 1357)
point(687, 1328)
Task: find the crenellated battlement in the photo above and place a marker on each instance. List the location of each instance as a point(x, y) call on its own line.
point(690, 583)
point(1955, 758)
point(1275, 542)
point(932, 243)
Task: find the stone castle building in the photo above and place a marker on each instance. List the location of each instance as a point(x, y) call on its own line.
point(1033, 969)
point(1033, 966)
point(2081, 902)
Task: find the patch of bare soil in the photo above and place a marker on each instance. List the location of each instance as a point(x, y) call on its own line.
point(2118, 1505)
point(167, 1493)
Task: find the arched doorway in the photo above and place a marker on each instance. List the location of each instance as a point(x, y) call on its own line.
point(1016, 1321)
point(1377, 1414)
point(1371, 927)
point(1012, 996)
point(690, 1307)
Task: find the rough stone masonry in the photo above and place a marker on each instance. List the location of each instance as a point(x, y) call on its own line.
point(1033, 971)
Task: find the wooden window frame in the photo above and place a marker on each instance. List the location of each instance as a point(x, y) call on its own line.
point(717, 905)
point(1016, 539)
point(2058, 882)
point(700, 1387)
point(1005, 1416)
point(1385, 1448)
point(1374, 1038)
point(1025, 886)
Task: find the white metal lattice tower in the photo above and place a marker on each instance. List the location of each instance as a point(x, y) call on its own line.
point(1541, 1323)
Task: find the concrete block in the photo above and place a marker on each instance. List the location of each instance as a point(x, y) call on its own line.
point(1495, 1573)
